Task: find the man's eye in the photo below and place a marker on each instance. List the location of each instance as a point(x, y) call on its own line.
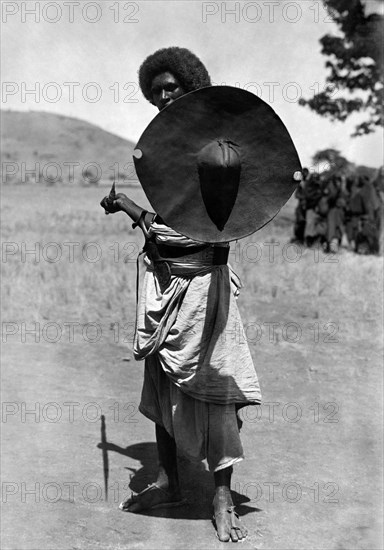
point(166, 88)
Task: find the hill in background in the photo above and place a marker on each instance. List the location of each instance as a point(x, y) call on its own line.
point(39, 147)
point(61, 149)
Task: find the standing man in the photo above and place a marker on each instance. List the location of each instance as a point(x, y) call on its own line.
point(312, 197)
point(332, 192)
point(300, 212)
point(196, 377)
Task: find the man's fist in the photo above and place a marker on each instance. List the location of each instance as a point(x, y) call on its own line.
point(111, 203)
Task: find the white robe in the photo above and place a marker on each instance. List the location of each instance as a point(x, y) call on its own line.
point(194, 327)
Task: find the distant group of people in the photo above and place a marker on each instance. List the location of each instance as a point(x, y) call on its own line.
point(335, 208)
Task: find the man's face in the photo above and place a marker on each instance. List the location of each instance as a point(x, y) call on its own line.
point(165, 89)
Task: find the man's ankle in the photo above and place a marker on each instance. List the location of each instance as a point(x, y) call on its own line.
point(170, 483)
point(222, 499)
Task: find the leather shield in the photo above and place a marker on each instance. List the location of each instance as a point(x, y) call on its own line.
point(217, 164)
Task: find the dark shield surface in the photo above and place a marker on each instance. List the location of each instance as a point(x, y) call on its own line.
point(171, 148)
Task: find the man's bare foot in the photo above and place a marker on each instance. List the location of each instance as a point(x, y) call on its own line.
point(227, 522)
point(152, 497)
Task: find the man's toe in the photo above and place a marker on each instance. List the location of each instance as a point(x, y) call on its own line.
point(223, 535)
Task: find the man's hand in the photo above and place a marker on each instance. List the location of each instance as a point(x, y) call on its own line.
point(116, 202)
point(112, 202)
point(114, 205)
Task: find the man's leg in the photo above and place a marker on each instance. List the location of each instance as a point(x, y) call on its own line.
point(224, 447)
point(166, 447)
point(228, 524)
point(165, 491)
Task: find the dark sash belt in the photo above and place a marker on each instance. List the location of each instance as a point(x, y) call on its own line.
point(160, 254)
point(166, 251)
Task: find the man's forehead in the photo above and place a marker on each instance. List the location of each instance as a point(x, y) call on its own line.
point(163, 78)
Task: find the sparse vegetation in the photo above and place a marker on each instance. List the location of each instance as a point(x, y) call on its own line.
point(283, 282)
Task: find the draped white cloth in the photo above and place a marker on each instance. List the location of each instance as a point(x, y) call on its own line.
point(195, 328)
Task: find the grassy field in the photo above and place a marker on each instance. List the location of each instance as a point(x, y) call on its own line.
point(64, 260)
point(314, 327)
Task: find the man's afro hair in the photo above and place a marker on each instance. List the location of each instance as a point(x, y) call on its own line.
point(182, 63)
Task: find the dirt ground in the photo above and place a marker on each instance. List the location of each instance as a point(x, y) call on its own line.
point(312, 475)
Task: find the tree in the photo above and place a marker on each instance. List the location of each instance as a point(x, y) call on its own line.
point(335, 162)
point(355, 61)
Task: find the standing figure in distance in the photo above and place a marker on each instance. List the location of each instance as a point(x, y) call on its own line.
point(300, 212)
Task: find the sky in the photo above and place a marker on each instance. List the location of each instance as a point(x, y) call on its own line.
point(81, 59)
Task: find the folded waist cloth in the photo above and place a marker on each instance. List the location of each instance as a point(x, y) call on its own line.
point(195, 328)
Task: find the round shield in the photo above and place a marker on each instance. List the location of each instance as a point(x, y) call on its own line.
point(217, 164)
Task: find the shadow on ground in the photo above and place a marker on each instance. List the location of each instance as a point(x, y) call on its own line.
point(196, 483)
